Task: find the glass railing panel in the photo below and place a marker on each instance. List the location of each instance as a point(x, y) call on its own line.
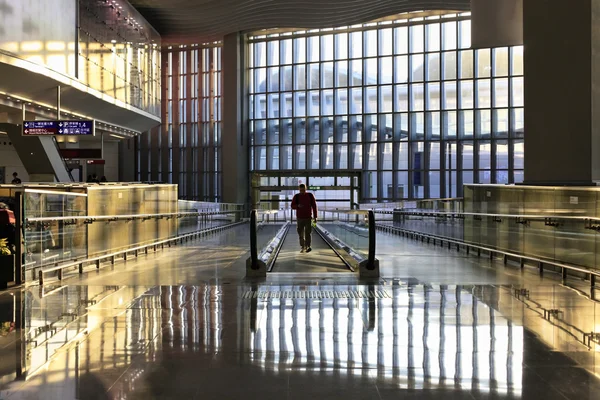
point(110, 218)
point(351, 227)
point(48, 240)
point(197, 215)
point(136, 200)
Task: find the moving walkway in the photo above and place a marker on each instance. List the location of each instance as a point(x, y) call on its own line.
point(343, 242)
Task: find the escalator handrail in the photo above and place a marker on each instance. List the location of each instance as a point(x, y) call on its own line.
point(253, 239)
point(63, 160)
point(372, 242)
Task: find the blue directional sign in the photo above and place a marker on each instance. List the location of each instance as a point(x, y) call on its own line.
point(36, 128)
point(85, 127)
point(39, 128)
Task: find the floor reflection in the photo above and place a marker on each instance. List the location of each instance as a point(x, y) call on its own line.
point(419, 336)
point(224, 340)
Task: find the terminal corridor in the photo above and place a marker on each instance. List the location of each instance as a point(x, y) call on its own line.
point(184, 322)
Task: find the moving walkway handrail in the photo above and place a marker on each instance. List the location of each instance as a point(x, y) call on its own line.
point(253, 239)
point(372, 238)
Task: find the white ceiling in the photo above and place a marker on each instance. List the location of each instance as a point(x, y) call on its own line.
point(185, 21)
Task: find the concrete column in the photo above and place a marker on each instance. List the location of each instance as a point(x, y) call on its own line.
point(235, 138)
point(127, 160)
point(562, 72)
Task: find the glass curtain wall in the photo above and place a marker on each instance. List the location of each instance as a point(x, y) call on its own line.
point(186, 149)
point(119, 54)
point(407, 101)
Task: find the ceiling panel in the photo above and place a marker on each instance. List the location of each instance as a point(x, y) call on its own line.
point(184, 21)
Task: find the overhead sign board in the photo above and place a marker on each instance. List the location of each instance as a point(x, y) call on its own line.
point(35, 128)
point(85, 127)
point(40, 128)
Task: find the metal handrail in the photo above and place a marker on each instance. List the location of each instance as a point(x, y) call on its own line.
point(345, 211)
point(492, 251)
point(144, 247)
point(127, 216)
point(523, 216)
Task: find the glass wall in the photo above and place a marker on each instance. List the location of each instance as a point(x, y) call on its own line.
point(108, 46)
point(119, 54)
point(186, 148)
point(407, 101)
point(29, 30)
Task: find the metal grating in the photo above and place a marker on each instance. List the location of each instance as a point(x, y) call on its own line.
point(316, 294)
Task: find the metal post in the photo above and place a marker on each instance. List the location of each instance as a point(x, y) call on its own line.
point(253, 240)
point(19, 240)
point(20, 347)
point(58, 102)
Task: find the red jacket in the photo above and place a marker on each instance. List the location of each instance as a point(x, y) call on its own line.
point(304, 204)
point(7, 217)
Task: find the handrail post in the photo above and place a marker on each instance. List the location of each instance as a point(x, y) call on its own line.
point(253, 239)
point(372, 240)
point(370, 267)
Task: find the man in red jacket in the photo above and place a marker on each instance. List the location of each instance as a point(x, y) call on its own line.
point(304, 203)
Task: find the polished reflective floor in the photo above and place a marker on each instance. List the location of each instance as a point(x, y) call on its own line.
point(185, 324)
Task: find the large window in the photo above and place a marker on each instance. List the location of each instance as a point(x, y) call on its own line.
point(406, 101)
point(186, 149)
